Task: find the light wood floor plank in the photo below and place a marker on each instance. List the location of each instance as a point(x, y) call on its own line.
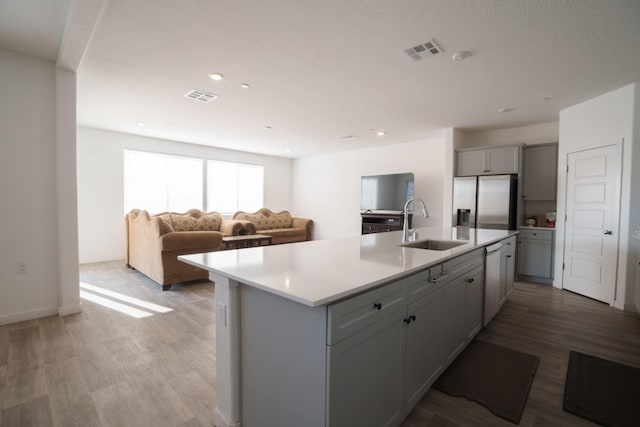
point(102, 367)
point(56, 343)
point(71, 404)
point(34, 413)
point(196, 394)
point(4, 344)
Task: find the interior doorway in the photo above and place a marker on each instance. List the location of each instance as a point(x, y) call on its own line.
point(592, 222)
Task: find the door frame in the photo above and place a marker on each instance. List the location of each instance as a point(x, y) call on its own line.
point(561, 238)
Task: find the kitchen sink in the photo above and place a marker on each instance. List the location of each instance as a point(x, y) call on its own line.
point(434, 245)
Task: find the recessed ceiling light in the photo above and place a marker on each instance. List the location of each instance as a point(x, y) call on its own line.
point(244, 85)
point(505, 110)
point(267, 127)
point(547, 98)
point(216, 76)
point(141, 124)
point(288, 149)
point(459, 56)
point(380, 133)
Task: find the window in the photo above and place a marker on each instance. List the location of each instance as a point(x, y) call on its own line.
point(161, 182)
point(234, 187)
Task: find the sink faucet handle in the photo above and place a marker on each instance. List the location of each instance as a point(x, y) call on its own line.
point(412, 235)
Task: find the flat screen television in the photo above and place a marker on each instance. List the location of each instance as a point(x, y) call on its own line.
point(385, 193)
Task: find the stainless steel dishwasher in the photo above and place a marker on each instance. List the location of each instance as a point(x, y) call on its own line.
point(493, 277)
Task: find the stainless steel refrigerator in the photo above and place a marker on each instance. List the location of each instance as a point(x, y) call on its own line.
point(485, 201)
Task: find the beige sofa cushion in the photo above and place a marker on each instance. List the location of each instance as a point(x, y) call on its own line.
point(264, 219)
point(281, 226)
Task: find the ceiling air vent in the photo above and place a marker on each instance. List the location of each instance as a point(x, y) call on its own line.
point(348, 137)
point(428, 48)
point(200, 95)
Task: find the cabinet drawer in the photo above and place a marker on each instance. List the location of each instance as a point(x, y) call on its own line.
point(457, 266)
point(508, 245)
point(425, 282)
point(536, 234)
point(352, 315)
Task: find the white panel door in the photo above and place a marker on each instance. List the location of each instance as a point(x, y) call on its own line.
point(591, 234)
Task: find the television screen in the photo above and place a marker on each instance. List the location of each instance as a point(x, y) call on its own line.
point(386, 192)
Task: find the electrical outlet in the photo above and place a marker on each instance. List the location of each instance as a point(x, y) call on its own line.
point(636, 233)
point(22, 267)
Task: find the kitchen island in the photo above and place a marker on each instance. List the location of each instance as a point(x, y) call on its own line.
point(347, 331)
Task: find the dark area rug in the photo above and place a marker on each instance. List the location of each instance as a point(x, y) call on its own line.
point(602, 391)
point(496, 377)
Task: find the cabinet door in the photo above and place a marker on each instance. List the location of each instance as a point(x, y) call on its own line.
point(474, 292)
point(540, 173)
point(365, 375)
point(510, 271)
point(424, 346)
point(534, 257)
point(470, 163)
point(455, 334)
point(503, 161)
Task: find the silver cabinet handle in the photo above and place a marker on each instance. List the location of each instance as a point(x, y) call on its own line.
point(436, 280)
point(607, 232)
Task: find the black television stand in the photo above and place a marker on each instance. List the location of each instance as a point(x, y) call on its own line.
point(373, 222)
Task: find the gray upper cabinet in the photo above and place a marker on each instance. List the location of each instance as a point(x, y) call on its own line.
point(540, 172)
point(488, 161)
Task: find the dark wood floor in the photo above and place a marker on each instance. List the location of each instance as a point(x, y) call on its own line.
point(105, 368)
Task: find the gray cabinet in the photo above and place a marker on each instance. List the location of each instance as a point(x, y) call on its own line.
point(365, 375)
point(386, 347)
point(488, 161)
point(463, 301)
point(424, 348)
point(540, 171)
point(508, 264)
point(535, 253)
point(365, 337)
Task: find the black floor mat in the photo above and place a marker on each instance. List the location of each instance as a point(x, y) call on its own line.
point(602, 391)
point(496, 377)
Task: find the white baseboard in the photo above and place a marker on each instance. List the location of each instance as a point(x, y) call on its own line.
point(70, 309)
point(28, 315)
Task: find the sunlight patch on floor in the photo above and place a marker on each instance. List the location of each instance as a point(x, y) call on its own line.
point(126, 306)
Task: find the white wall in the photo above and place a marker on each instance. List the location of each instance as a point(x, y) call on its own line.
point(326, 188)
point(530, 135)
point(28, 218)
point(100, 185)
point(597, 122)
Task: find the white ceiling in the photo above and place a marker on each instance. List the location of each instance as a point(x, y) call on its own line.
point(321, 69)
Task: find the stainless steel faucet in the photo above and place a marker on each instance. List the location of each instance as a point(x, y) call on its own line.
point(408, 234)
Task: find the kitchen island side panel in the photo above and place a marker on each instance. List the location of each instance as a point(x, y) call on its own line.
point(283, 361)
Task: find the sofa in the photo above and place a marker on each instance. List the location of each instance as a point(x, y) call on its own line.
point(153, 242)
point(281, 226)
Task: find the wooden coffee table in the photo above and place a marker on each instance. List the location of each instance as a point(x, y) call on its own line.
point(247, 241)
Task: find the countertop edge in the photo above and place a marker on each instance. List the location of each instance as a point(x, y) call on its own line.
point(461, 250)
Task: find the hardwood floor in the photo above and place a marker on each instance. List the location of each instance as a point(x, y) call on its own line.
point(105, 368)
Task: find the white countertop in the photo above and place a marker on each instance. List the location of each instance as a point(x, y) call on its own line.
point(320, 272)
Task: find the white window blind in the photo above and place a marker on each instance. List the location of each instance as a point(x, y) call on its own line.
point(160, 182)
point(233, 187)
